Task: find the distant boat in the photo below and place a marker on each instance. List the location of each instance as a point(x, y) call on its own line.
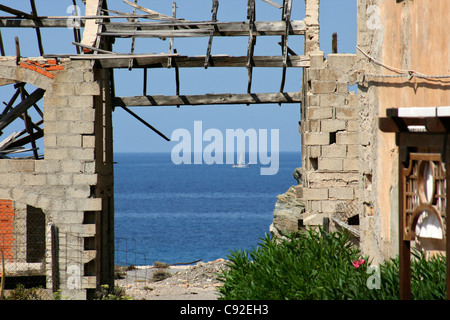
point(241, 163)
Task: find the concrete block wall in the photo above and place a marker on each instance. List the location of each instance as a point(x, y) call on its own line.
point(331, 138)
point(65, 184)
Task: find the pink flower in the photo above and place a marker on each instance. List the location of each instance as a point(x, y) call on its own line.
point(358, 263)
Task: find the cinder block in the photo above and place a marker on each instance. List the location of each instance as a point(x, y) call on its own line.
point(81, 191)
point(317, 60)
point(33, 179)
point(313, 100)
point(88, 141)
point(54, 102)
point(85, 102)
point(61, 179)
point(352, 100)
point(10, 179)
point(71, 75)
point(69, 140)
point(47, 166)
point(330, 164)
point(332, 206)
point(332, 125)
point(63, 89)
point(334, 151)
point(80, 127)
point(341, 193)
point(332, 100)
point(316, 138)
point(341, 60)
point(313, 125)
point(319, 113)
point(351, 164)
point(342, 87)
point(319, 87)
point(72, 166)
point(347, 138)
point(56, 153)
point(85, 179)
point(314, 151)
point(330, 74)
point(347, 113)
point(353, 126)
point(56, 127)
point(313, 74)
point(315, 194)
point(353, 151)
point(91, 204)
point(87, 89)
point(86, 154)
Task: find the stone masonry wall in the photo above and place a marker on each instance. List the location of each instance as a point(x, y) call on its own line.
point(331, 139)
point(60, 184)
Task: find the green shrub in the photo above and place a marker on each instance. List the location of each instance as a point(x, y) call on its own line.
point(322, 266)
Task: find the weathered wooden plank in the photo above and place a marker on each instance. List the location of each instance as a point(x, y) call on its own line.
point(225, 29)
point(276, 5)
point(146, 10)
point(157, 61)
point(208, 99)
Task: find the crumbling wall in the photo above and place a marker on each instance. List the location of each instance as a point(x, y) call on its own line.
point(73, 181)
point(398, 36)
point(331, 139)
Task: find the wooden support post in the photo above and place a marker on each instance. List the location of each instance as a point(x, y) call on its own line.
point(133, 40)
point(16, 39)
point(144, 91)
point(215, 7)
point(251, 16)
point(55, 258)
point(2, 48)
point(177, 78)
point(76, 31)
point(174, 15)
point(38, 32)
point(404, 244)
point(287, 8)
point(334, 43)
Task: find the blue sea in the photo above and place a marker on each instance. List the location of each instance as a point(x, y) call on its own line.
point(182, 213)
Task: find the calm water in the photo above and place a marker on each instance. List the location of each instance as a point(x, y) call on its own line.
point(181, 213)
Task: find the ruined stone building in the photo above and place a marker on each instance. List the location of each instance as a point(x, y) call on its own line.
point(349, 173)
point(57, 208)
point(350, 152)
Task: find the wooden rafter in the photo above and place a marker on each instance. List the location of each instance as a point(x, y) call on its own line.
point(215, 8)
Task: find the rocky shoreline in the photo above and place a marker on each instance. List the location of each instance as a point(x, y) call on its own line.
point(163, 282)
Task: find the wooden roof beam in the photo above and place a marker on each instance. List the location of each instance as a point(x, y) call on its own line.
point(161, 61)
point(208, 99)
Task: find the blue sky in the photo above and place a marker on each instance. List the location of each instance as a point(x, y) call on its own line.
point(132, 136)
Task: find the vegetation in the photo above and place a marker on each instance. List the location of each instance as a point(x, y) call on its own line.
point(323, 266)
